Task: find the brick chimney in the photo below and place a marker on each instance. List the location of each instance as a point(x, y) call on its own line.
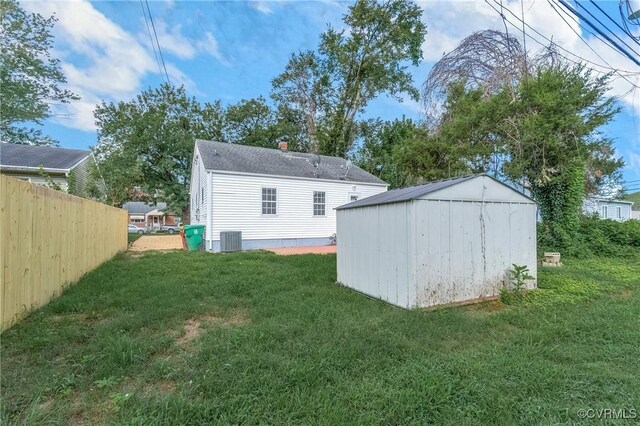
point(283, 146)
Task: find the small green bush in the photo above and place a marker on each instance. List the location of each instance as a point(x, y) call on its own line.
point(596, 237)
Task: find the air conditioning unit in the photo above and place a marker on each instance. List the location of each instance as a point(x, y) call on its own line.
point(230, 241)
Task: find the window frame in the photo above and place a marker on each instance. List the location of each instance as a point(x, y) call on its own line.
point(618, 212)
point(274, 201)
point(605, 212)
point(318, 204)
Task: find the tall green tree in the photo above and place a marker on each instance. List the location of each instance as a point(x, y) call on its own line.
point(381, 148)
point(371, 57)
point(30, 78)
point(543, 135)
point(554, 139)
point(254, 122)
point(148, 142)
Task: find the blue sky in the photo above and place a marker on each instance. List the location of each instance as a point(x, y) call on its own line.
point(230, 50)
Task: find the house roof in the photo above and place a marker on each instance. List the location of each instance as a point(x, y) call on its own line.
point(413, 192)
point(221, 156)
point(611, 200)
point(34, 156)
point(140, 207)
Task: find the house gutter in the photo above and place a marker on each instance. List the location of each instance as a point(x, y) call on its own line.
point(33, 169)
point(312, 179)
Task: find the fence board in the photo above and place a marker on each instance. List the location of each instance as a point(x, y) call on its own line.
point(49, 239)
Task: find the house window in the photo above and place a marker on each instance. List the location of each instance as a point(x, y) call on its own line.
point(619, 212)
point(318, 203)
point(353, 197)
point(605, 212)
point(202, 196)
point(269, 201)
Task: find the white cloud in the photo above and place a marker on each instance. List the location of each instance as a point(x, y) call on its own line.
point(113, 61)
point(102, 61)
point(209, 44)
point(171, 40)
point(261, 6)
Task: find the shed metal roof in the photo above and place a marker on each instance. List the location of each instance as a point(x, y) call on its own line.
point(412, 192)
point(34, 156)
point(232, 157)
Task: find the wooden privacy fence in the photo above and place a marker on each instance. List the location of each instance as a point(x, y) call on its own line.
point(49, 239)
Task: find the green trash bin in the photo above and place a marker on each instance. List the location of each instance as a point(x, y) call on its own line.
point(194, 235)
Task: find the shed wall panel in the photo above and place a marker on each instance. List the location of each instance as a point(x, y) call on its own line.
point(373, 251)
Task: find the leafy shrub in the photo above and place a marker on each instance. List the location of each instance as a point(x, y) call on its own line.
point(596, 237)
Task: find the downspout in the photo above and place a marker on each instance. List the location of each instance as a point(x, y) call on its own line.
point(209, 207)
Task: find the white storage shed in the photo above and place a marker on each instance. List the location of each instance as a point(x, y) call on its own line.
point(443, 242)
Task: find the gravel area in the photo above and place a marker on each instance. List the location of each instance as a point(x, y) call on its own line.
point(157, 242)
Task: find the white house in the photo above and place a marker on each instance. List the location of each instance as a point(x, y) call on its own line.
point(275, 197)
point(609, 209)
point(443, 242)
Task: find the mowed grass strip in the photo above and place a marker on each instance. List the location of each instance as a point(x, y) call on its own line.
point(255, 338)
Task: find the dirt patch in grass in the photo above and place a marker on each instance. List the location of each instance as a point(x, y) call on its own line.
point(160, 387)
point(194, 326)
point(626, 294)
point(484, 309)
point(156, 242)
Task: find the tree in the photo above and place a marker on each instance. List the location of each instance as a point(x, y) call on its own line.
point(541, 134)
point(303, 89)
point(487, 60)
point(148, 143)
point(254, 122)
point(380, 152)
point(332, 87)
point(30, 78)
point(554, 142)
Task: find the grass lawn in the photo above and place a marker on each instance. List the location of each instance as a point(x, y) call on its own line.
point(133, 237)
point(183, 337)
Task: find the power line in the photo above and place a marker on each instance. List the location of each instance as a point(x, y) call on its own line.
point(153, 45)
point(612, 20)
point(595, 28)
point(551, 42)
point(607, 28)
point(582, 38)
point(157, 42)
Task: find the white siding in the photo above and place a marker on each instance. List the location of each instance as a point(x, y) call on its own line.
point(464, 249)
point(436, 251)
point(591, 206)
point(373, 251)
point(237, 206)
point(38, 179)
point(199, 191)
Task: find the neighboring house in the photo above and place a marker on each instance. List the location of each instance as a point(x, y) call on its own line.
point(149, 215)
point(608, 209)
point(276, 198)
point(68, 169)
point(635, 213)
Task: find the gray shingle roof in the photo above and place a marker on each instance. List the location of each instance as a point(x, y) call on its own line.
point(407, 194)
point(48, 157)
point(265, 161)
point(140, 207)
